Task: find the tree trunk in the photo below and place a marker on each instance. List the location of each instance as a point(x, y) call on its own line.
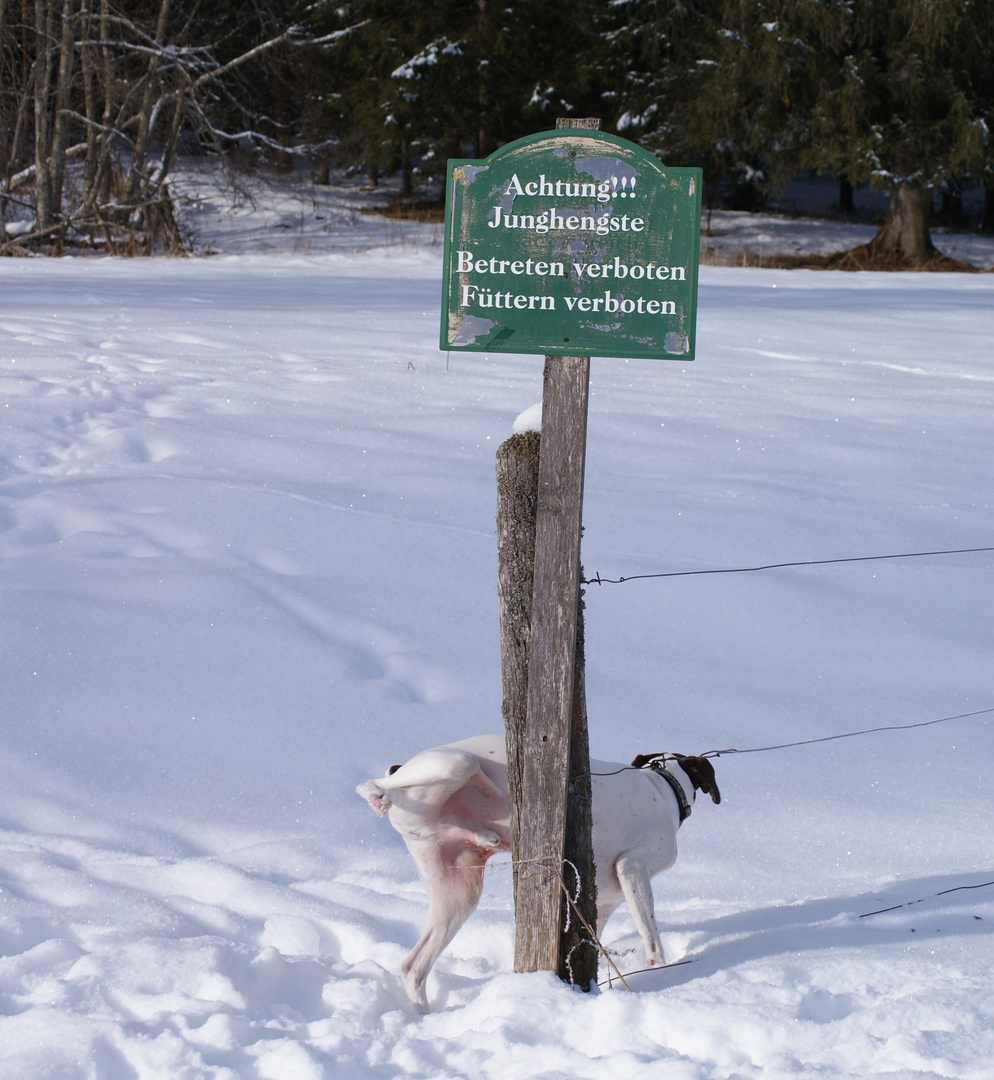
point(484, 134)
point(406, 168)
point(845, 195)
point(102, 189)
point(172, 142)
point(4, 155)
point(20, 124)
point(60, 138)
point(91, 105)
point(42, 133)
point(136, 172)
point(905, 228)
point(988, 222)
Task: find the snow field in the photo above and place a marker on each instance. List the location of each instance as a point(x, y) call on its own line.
point(247, 560)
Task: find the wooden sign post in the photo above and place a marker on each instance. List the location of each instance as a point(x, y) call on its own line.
point(562, 243)
point(545, 749)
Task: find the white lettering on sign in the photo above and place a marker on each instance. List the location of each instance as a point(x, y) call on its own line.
point(618, 269)
point(481, 296)
point(467, 264)
point(485, 297)
point(604, 191)
point(621, 305)
point(554, 221)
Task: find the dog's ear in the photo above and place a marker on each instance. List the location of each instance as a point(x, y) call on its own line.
point(643, 759)
point(701, 774)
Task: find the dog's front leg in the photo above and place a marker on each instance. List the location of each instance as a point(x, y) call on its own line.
point(637, 887)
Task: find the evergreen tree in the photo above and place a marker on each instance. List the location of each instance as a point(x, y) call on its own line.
point(898, 97)
point(894, 93)
point(411, 84)
point(703, 82)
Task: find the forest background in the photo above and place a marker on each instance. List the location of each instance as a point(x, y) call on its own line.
point(98, 100)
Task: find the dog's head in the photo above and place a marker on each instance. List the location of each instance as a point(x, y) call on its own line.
point(699, 771)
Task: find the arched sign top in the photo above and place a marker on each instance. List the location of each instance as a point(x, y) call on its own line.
point(571, 242)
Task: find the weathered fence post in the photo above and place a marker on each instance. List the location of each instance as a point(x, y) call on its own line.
point(545, 740)
point(517, 498)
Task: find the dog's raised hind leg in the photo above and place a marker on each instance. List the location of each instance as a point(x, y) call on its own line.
point(453, 876)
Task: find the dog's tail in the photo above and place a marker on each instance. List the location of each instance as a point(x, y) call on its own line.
point(377, 798)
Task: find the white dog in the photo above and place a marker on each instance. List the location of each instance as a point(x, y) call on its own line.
point(450, 805)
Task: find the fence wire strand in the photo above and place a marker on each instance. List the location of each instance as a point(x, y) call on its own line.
point(598, 580)
point(849, 734)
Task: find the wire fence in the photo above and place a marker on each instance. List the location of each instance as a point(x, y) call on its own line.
point(849, 734)
point(598, 580)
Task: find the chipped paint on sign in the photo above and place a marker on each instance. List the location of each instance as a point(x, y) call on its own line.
point(570, 227)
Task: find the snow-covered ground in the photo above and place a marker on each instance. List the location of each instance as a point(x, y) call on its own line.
point(230, 214)
point(226, 213)
point(223, 211)
point(247, 560)
point(737, 236)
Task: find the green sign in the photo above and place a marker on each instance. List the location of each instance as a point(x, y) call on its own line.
point(572, 242)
